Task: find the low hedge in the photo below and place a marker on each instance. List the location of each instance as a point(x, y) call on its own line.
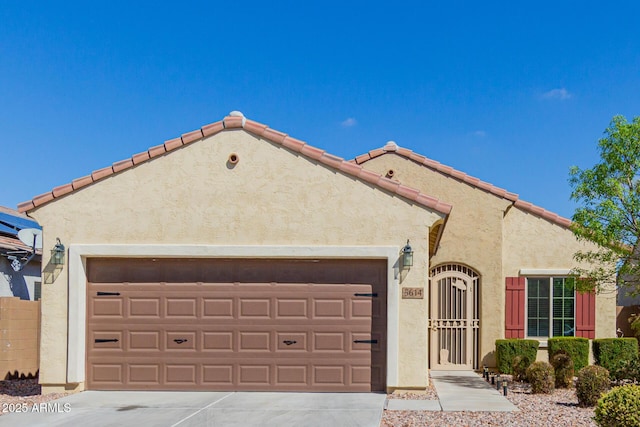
point(576, 347)
point(507, 350)
point(608, 352)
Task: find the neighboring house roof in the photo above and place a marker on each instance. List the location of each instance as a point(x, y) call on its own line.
point(10, 222)
point(392, 147)
point(237, 121)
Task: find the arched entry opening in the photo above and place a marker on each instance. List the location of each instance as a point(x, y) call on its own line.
point(454, 317)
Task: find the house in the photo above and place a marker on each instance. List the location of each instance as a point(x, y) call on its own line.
point(236, 257)
point(21, 280)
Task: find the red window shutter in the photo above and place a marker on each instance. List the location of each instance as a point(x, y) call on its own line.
point(586, 314)
point(514, 325)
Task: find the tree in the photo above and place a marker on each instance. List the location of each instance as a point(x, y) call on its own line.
point(608, 215)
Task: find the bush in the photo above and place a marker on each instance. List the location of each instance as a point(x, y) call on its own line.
point(563, 369)
point(540, 376)
point(519, 365)
point(608, 351)
point(619, 407)
point(592, 382)
point(625, 371)
point(506, 350)
point(576, 347)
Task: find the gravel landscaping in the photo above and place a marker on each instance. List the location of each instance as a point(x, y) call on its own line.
point(559, 409)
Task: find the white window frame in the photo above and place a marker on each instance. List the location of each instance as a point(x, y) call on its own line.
point(543, 339)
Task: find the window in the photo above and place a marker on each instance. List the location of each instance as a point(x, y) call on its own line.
point(550, 307)
point(37, 290)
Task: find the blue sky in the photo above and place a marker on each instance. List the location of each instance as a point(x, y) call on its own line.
point(513, 93)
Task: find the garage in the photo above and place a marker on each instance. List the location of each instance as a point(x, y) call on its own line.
point(236, 324)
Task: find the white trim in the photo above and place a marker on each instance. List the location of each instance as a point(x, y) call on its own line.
point(545, 271)
point(78, 254)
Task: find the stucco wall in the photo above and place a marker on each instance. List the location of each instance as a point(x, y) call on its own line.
point(531, 242)
point(271, 197)
point(488, 234)
point(472, 236)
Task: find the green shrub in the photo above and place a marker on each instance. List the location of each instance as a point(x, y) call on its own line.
point(619, 407)
point(626, 371)
point(540, 376)
point(634, 322)
point(563, 369)
point(519, 365)
point(506, 350)
point(608, 351)
point(576, 347)
point(593, 381)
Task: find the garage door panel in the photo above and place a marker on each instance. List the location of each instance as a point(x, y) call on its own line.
point(243, 334)
point(217, 308)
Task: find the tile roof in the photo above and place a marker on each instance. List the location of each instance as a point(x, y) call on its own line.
point(235, 120)
point(8, 243)
point(392, 147)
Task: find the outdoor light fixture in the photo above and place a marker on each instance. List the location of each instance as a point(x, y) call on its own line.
point(407, 255)
point(57, 253)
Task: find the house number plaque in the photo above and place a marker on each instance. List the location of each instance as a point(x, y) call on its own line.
point(412, 293)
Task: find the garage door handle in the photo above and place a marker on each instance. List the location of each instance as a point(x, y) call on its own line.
point(106, 340)
point(289, 342)
point(180, 340)
point(361, 294)
point(365, 341)
point(104, 294)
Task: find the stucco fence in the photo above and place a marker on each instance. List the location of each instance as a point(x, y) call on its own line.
point(19, 338)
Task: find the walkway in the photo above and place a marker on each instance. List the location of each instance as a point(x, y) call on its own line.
point(458, 391)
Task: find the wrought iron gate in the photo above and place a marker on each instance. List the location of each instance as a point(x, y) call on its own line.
point(454, 320)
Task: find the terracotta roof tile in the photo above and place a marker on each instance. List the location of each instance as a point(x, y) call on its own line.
point(81, 182)
point(192, 136)
point(62, 190)
point(331, 160)
point(231, 122)
point(158, 150)
point(122, 165)
point(43, 198)
point(293, 144)
point(102, 173)
point(25, 206)
point(212, 129)
point(234, 121)
point(172, 144)
point(254, 127)
point(473, 181)
point(273, 135)
point(310, 151)
point(140, 157)
point(363, 158)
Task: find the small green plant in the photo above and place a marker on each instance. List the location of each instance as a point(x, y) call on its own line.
point(626, 371)
point(592, 383)
point(563, 369)
point(520, 364)
point(541, 377)
point(608, 351)
point(576, 347)
point(507, 350)
point(619, 407)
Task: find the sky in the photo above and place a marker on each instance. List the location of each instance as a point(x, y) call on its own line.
point(513, 93)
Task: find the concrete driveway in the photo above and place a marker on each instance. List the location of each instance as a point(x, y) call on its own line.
point(191, 409)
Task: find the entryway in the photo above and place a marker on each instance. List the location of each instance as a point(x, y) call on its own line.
point(454, 320)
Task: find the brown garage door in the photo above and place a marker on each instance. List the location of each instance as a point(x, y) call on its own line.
point(289, 325)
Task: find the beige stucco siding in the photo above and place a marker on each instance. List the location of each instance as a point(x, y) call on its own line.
point(270, 197)
point(531, 242)
point(496, 239)
point(472, 236)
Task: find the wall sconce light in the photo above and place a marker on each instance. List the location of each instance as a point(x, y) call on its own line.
point(57, 253)
point(407, 256)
